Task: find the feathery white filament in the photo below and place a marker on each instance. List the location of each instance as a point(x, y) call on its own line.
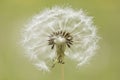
point(76, 23)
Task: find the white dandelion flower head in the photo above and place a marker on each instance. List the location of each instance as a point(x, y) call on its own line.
point(59, 32)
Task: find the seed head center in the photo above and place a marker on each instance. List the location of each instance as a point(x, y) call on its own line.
point(60, 38)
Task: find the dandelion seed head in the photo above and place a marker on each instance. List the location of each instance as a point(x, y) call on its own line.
point(60, 30)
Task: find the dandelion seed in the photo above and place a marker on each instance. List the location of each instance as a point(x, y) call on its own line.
point(57, 33)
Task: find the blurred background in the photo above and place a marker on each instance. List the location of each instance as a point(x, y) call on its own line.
point(105, 65)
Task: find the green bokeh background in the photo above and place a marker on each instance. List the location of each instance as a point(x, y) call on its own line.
point(105, 65)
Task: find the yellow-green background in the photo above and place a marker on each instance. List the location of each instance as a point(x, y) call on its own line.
point(105, 65)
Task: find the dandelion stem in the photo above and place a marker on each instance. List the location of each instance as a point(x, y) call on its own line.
point(62, 72)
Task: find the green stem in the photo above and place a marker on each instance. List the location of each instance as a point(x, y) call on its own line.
point(62, 71)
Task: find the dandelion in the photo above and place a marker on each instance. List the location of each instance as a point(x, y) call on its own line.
point(57, 33)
